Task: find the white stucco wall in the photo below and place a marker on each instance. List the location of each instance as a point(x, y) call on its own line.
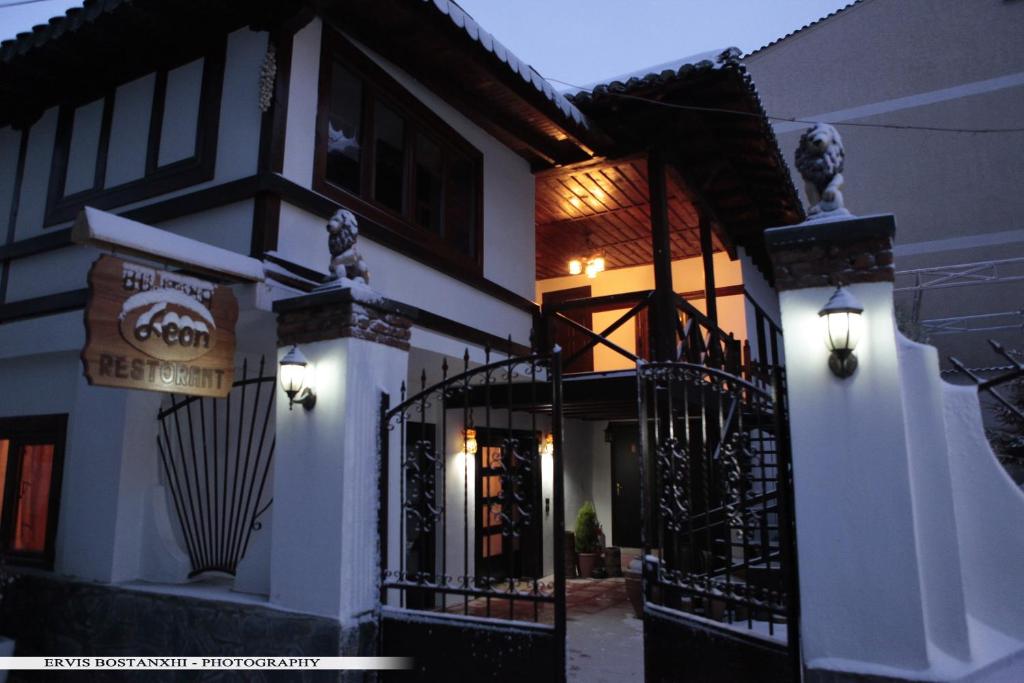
point(901, 508)
point(854, 513)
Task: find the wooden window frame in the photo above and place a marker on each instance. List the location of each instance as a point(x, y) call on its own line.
point(377, 84)
point(156, 180)
point(32, 429)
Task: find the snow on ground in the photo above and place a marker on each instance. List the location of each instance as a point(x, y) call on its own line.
point(605, 646)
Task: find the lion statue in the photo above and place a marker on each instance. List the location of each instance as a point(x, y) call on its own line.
point(342, 233)
point(819, 158)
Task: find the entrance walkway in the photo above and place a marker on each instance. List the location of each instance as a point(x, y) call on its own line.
point(605, 639)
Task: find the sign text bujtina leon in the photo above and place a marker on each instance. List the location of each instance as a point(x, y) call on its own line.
point(152, 329)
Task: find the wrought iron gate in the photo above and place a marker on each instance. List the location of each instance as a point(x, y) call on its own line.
point(719, 573)
point(472, 560)
point(216, 456)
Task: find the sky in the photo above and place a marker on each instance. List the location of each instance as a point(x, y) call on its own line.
point(585, 41)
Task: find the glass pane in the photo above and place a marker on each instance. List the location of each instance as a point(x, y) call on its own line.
point(490, 516)
point(460, 209)
point(33, 498)
point(389, 134)
point(492, 457)
point(343, 128)
point(429, 166)
point(5, 446)
point(492, 545)
point(492, 486)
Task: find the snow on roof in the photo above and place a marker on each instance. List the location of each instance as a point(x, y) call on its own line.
point(674, 65)
point(108, 230)
point(464, 21)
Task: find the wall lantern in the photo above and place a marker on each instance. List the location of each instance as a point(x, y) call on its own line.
point(296, 376)
point(843, 327)
point(470, 441)
point(547, 449)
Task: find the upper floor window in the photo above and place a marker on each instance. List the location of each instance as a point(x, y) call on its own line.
point(147, 137)
point(31, 460)
point(383, 154)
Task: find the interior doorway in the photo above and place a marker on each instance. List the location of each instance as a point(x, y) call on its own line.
point(504, 482)
point(625, 481)
point(572, 340)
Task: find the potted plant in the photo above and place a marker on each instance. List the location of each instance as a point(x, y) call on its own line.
point(587, 543)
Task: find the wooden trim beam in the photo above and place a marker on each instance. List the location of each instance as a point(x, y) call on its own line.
point(708, 258)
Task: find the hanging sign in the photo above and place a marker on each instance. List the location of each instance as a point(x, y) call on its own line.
point(152, 329)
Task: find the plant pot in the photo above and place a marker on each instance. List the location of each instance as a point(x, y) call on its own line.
point(570, 555)
point(587, 563)
point(613, 561)
point(634, 587)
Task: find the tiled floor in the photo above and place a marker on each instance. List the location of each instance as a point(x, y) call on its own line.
point(582, 597)
point(589, 596)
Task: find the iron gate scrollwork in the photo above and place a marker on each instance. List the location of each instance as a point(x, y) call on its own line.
point(718, 535)
point(216, 456)
point(465, 537)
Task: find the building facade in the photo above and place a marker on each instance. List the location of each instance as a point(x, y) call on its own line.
point(905, 83)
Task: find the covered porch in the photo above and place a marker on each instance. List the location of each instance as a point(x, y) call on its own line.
point(673, 218)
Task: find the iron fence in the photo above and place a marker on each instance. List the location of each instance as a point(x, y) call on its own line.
point(216, 456)
point(717, 532)
point(465, 534)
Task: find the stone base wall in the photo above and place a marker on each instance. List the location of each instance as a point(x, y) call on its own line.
point(53, 617)
point(833, 253)
point(336, 314)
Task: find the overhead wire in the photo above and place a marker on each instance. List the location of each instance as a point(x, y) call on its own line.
point(21, 2)
point(791, 119)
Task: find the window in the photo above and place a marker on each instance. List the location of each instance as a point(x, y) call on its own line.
point(387, 157)
point(31, 460)
point(141, 139)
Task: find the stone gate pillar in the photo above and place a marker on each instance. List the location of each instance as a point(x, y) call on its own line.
point(860, 577)
point(324, 557)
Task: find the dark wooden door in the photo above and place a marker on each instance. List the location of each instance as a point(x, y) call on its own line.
point(569, 339)
point(626, 507)
point(500, 554)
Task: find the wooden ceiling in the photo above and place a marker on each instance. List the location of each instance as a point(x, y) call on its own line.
point(603, 206)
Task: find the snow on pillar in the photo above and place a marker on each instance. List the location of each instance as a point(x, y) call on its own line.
point(324, 558)
point(861, 594)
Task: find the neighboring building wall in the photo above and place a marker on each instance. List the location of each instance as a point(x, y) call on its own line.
point(939, 63)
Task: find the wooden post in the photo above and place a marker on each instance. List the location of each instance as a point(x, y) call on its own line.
point(707, 254)
point(664, 332)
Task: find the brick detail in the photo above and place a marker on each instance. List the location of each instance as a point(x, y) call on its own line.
point(338, 319)
point(830, 254)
